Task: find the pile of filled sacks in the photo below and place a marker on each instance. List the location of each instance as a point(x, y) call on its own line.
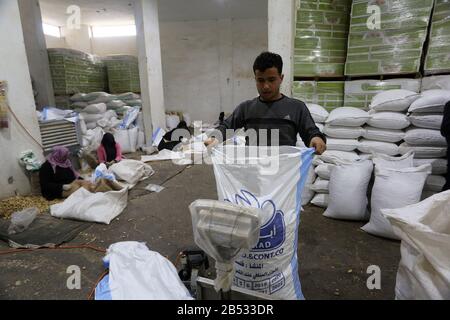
point(100, 112)
point(397, 183)
point(118, 103)
point(399, 121)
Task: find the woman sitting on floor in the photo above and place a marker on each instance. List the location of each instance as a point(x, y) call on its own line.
point(58, 178)
point(109, 151)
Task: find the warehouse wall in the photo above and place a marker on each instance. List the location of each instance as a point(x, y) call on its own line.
point(119, 45)
point(98, 46)
point(54, 42)
point(14, 69)
point(193, 54)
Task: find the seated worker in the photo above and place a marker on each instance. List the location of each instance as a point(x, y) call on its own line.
point(445, 130)
point(109, 151)
point(273, 111)
point(58, 178)
point(168, 143)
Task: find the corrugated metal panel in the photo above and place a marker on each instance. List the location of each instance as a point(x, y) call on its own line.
point(59, 133)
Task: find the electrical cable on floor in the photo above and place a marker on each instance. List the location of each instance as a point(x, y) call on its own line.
point(83, 246)
point(91, 294)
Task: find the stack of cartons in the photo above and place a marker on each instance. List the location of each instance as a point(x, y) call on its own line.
point(393, 47)
point(328, 94)
point(438, 56)
point(321, 38)
point(123, 74)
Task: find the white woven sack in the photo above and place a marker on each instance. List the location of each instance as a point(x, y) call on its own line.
point(398, 100)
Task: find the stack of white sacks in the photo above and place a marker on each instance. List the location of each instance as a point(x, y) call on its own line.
point(355, 134)
point(398, 183)
point(113, 102)
point(319, 115)
point(97, 116)
point(424, 136)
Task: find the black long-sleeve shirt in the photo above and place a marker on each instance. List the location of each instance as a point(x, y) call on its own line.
point(289, 116)
point(445, 128)
point(52, 182)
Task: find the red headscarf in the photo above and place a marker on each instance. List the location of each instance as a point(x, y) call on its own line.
point(60, 158)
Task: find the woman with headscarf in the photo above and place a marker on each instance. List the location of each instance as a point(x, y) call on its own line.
point(109, 151)
point(58, 178)
point(169, 140)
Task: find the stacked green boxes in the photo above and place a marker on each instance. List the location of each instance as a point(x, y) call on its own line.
point(328, 94)
point(438, 56)
point(321, 38)
point(123, 74)
point(359, 93)
point(395, 48)
point(75, 71)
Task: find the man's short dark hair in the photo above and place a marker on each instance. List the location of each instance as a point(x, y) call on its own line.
point(267, 60)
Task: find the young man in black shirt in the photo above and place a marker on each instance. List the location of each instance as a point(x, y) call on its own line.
point(274, 111)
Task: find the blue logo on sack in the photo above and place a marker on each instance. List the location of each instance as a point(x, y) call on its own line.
point(273, 233)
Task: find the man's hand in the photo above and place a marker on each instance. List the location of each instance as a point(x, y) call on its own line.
point(318, 144)
point(211, 142)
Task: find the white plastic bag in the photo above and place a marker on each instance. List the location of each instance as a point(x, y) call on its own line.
point(434, 183)
point(20, 221)
point(95, 108)
point(383, 135)
point(102, 172)
point(425, 137)
point(274, 184)
point(321, 200)
point(348, 191)
point(424, 228)
point(342, 144)
point(403, 162)
point(394, 189)
point(389, 120)
point(348, 117)
point(334, 157)
point(92, 117)
point(100, 207)
point(308, 194)
point(319, 113)
point(369, 146)
point(340, 132)
point(397, 100)
point(136, 273)
point(324, 170)
point(129, 118)
point(127, 139)
point(427, 121)
point(431, 101)
point(131, 171)
point(423, 152)
point(321, 186)
point(439, 165)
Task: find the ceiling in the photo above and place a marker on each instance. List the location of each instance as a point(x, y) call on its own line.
point(121, 12)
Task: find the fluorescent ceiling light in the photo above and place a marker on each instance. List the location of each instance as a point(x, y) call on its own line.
point(113, 31)
point(50, 30)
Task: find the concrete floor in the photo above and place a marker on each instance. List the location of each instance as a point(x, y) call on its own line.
point(333, 255)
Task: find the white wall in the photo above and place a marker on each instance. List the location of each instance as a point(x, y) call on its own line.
point(98, 46)
point(14, 69)
point(119, 45)
point(54, 42)
point(192, 55)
